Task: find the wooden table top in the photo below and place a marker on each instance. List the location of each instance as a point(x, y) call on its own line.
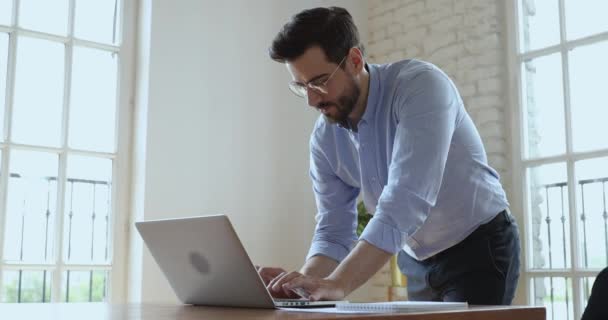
point(102, 311)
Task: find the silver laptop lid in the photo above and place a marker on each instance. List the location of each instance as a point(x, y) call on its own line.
point(205, 262)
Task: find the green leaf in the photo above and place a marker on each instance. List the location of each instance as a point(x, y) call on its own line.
point(363, 218)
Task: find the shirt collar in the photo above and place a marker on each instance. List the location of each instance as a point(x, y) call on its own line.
point(373, 93)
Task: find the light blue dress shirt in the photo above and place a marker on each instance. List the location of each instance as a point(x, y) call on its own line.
point(418, 161)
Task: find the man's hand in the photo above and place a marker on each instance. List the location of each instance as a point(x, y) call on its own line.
point(270, 276)
point(360, 265)
point(316, 288)
point(287, 285)
point(268, 273)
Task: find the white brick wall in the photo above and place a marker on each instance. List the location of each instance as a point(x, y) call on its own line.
point(465, 38)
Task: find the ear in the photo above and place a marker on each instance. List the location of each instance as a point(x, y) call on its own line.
point(355, 59)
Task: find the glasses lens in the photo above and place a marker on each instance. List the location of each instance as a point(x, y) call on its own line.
point(319, 88)
point(298, 89)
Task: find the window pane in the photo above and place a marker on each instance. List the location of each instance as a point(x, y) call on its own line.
point(592, 177)
point(555, 293)
point(26, 286)
point(589, 97)
point(6, 10)
point(538, 24)
point(585, 18)
point(38, 92)
point(549, 216)
point(93, 100)
point(3, 68)
point(32, 193)
point(88, 210)
point(49, 16)
point(543, 107)
point(84, 286)
point(586, 286)
point(97, 20)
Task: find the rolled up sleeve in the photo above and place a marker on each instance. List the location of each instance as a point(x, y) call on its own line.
point(427, 115)
point(335, 232)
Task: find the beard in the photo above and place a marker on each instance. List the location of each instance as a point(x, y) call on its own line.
point(346, 105)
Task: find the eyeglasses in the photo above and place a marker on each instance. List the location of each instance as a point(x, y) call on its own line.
point(317, 85)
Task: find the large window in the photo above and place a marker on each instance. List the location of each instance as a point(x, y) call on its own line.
point(562, 47)
point(60, 65)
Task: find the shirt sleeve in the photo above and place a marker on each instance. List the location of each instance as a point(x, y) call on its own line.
point(335, 232)
point(426, 112)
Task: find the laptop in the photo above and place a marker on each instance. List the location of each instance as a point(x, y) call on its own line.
point(206, 264)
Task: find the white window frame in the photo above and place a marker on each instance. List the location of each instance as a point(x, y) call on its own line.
point(121, 160)
point(520, 164)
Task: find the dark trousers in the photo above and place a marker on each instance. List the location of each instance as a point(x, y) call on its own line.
point(482, 269)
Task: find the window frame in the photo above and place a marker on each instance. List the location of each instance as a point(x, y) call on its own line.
point(121, 157)
point(576, 273)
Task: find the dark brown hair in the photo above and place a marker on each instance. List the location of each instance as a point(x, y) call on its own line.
point(332, 29)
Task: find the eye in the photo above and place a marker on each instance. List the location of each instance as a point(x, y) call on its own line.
point(319, 82)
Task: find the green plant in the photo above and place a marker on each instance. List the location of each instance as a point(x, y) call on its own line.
point(362, 217)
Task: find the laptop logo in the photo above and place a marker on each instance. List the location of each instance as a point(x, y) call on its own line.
point(199, 262)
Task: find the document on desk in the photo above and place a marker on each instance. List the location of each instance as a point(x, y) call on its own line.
point(387, 307)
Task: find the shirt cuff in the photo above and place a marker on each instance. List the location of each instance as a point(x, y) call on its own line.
point(328, 249)
point(384, 235)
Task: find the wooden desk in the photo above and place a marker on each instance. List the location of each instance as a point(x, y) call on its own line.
point(63, 311)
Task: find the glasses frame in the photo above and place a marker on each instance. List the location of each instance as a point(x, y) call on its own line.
point(301, 89)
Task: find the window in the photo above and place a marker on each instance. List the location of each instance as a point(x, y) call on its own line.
point(62, 142)
point(562, 129)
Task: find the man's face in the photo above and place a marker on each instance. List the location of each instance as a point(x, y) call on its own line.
point(341, 89)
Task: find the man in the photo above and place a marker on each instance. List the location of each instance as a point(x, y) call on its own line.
point(399, 134)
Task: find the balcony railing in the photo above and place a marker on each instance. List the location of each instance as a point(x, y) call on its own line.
point(71, 185)
point(556, 209)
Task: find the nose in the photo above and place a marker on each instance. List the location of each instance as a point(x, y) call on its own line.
point(313, 98)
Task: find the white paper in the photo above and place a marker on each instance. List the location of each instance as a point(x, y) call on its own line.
point(324, 310)
point(387, 307)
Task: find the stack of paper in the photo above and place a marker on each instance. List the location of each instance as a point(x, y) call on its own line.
point(387, 307)
point(397, 306)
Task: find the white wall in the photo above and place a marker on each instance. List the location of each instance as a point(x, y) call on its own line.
point(223, 132)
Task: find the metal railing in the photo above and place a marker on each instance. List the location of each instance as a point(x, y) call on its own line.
point(560, 213)
point(95, 184)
